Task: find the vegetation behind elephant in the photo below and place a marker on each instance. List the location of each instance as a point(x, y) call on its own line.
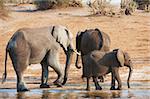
point(98, 63)
point(39, 45)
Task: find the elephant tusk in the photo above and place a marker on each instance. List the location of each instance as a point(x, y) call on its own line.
point(74, 50)
point(77, 52)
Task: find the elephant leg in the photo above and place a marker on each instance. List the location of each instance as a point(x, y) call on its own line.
point(98, 87)
point(117, 77)
point(53, 60)
point(88, 86)
point(112, 81)
point(44, 77)
point(19, 67)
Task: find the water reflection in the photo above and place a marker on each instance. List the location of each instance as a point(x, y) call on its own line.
point(73, 94)
point(21, 95)
point(130, 94)
point(102, 94)
point(116, 94)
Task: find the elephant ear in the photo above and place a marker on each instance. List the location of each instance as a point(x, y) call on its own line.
point(120, 57)
point(62, 36)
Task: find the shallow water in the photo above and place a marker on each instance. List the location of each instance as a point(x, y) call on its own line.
point(140, 88)
point(73, 94)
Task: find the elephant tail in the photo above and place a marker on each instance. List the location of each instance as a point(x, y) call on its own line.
point(5, 72)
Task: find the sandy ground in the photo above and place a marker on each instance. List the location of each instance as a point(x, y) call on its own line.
point(130, 33)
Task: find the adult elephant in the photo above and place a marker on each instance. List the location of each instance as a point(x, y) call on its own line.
point(98, 63)
point(39, 45)
point(89, 40)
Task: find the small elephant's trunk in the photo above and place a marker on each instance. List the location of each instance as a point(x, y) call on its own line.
point(130, 73)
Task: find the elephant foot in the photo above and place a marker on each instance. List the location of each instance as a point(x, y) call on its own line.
point(21, 88)
point(113, 88)
point(57, 83)
point(87, 89)
point(119, 88)
point(65, 80)
point(99, 88)
point(44, 86)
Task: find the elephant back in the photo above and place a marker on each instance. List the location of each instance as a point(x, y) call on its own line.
point(109, 59)
point(91, 40)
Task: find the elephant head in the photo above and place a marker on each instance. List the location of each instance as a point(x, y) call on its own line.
point(65, 41)
point(125, 60)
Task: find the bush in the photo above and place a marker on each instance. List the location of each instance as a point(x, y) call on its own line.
point(147, 8)
point(3, 11)
point(101, 7)
point(48, 4)
point(75, 3)
point(132, 6)
point(1, 4)
point(44, 4)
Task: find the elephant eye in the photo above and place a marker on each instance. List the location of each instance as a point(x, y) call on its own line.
point(129, 60)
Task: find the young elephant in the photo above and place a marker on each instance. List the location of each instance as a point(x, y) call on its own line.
point(98, 63)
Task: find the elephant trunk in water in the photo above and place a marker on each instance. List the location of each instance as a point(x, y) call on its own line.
point(130, 73)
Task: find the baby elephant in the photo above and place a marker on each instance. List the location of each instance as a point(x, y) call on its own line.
point(98, 63)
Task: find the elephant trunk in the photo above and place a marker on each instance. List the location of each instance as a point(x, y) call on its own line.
point(78, 43)
point(130, 73)
point(77, 62)
point(69, 55)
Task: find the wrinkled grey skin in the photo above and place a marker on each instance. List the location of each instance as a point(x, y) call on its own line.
point(99, 63)
point(89, 40)
point(39, 45)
